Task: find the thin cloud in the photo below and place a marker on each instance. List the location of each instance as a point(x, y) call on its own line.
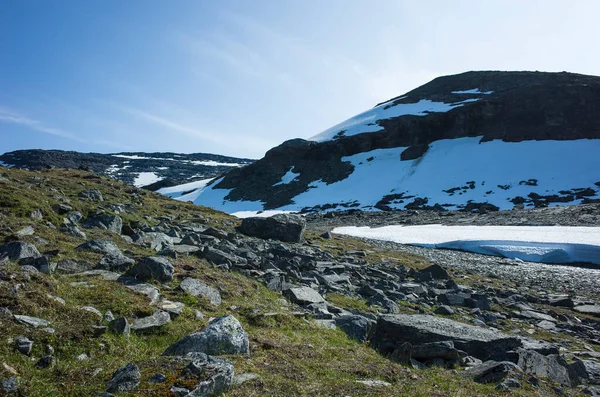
point(11, 117)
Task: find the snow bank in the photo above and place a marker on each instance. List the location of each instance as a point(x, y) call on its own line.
point(146, 178)
point(496, 169)
point(177, 191)
point(260, 214)
point(547, 244)
point(367, 121)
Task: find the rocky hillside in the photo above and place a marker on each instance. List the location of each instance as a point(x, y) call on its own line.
point(493, 139)
point(150, 170)
point(106, 289)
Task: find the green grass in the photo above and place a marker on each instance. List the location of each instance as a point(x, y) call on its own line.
point(291, 354)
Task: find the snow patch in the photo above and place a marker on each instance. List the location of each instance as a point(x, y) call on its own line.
point(473, 91)
point(288, 177)
point(211, 163)
point(177, 191)
point(260, 214)
point(546, 244)
point(367, 121)
point(146, 178)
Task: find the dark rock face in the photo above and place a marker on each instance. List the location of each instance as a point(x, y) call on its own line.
point(283, 227)
point(394, 330)
point(523, 106)
point(356, 327)
point(492, 371)
point(173, 168)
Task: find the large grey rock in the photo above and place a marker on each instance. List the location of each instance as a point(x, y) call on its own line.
point(215, 374)
point(111, 222)
point(73, 230)
point(492, 371)
point(433, 350)
point(115, 262)
point(586, 370)
point(19, 250)
point(355, 326)
point(153, 268)
point(218, 257)
point(594, 310)
point(125, 379)
point(92, 195)
point(303, 295)
point(71, 266)
point(151, 323)
point(394, 330)
point(100, 246)
point(283, 227)
point(223, 335)
point(196, 287)
point(553, 367)
point(153, 240)
point(25, 231)
point(435, 272)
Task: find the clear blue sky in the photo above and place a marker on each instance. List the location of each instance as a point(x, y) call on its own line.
point(239, 77)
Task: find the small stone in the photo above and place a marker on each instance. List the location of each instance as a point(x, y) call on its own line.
point(126, 378)
point(196, 287)
point(92, 310)
point(120, 326)
point(82, 357)
point(157, 378)
point(23, 345)
point(444, 310)
point(108, 316)
point(150, 323)
point(10, 385)
point(31, 321)
point(46, 362)
point(243, 378)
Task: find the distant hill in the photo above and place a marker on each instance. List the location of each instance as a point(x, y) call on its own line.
point(149, 170)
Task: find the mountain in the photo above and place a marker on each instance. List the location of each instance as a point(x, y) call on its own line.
point(150, 170)
point(479, 140)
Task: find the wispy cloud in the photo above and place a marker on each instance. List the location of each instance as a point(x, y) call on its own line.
point(11, 117)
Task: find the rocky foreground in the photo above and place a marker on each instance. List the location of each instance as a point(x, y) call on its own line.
point(110, 290)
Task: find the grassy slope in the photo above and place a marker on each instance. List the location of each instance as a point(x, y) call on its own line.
point(291, 354)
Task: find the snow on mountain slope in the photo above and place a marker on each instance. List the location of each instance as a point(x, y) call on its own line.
point(451, 174)
point(179, 190)
point(367, 121)
point(547, 244)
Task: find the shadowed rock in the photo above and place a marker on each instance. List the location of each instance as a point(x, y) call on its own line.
point(283, 227)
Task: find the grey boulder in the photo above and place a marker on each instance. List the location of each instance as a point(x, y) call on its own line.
point(303, 295)
point(126, 378)
point(196, 287)
point(100, 246)
point(19, 250)
point(151, 323)
point(224, 335)
point(153, 268)
point(283, 227)
point(492, 371)
point(394, 330)
point(355, 326)
point(110, 222)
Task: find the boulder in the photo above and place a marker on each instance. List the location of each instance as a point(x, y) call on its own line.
point(553, 367)
point(218, 257)
point(111, 222)
point(394, 330)
point(115, 262)
point(433, 350)
point(125, 379)
point(303, 295)
point(32, 321)
point(100, 246)
point(492, 371)
point(196, 287)
point(119, 326)
point(224, 335)
point(19, 250)
point(152, 268)
point(436, 272)
point(355, 326)
point(153, 240)
point(92, 195)
point(23, 344)
point(215, 375)
point(594, 310)
point(151, 323)
point(586, 370)
point(283, 227)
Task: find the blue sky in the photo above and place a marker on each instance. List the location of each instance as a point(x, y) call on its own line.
point(239, 77)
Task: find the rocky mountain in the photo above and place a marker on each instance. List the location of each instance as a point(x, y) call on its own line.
point(477, 140)
point(107, 289)
point(150, 170)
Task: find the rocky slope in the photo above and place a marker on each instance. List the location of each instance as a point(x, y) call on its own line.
point(501, 139)
point(150, 170)
point(111, 290)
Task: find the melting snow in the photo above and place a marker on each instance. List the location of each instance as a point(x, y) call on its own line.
point(473, 91)
point(547, 244)
point(260, 214)
point(287, 178)
point(367, 121)
point(177, 191)
point(451, 163)
point(146, 178)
